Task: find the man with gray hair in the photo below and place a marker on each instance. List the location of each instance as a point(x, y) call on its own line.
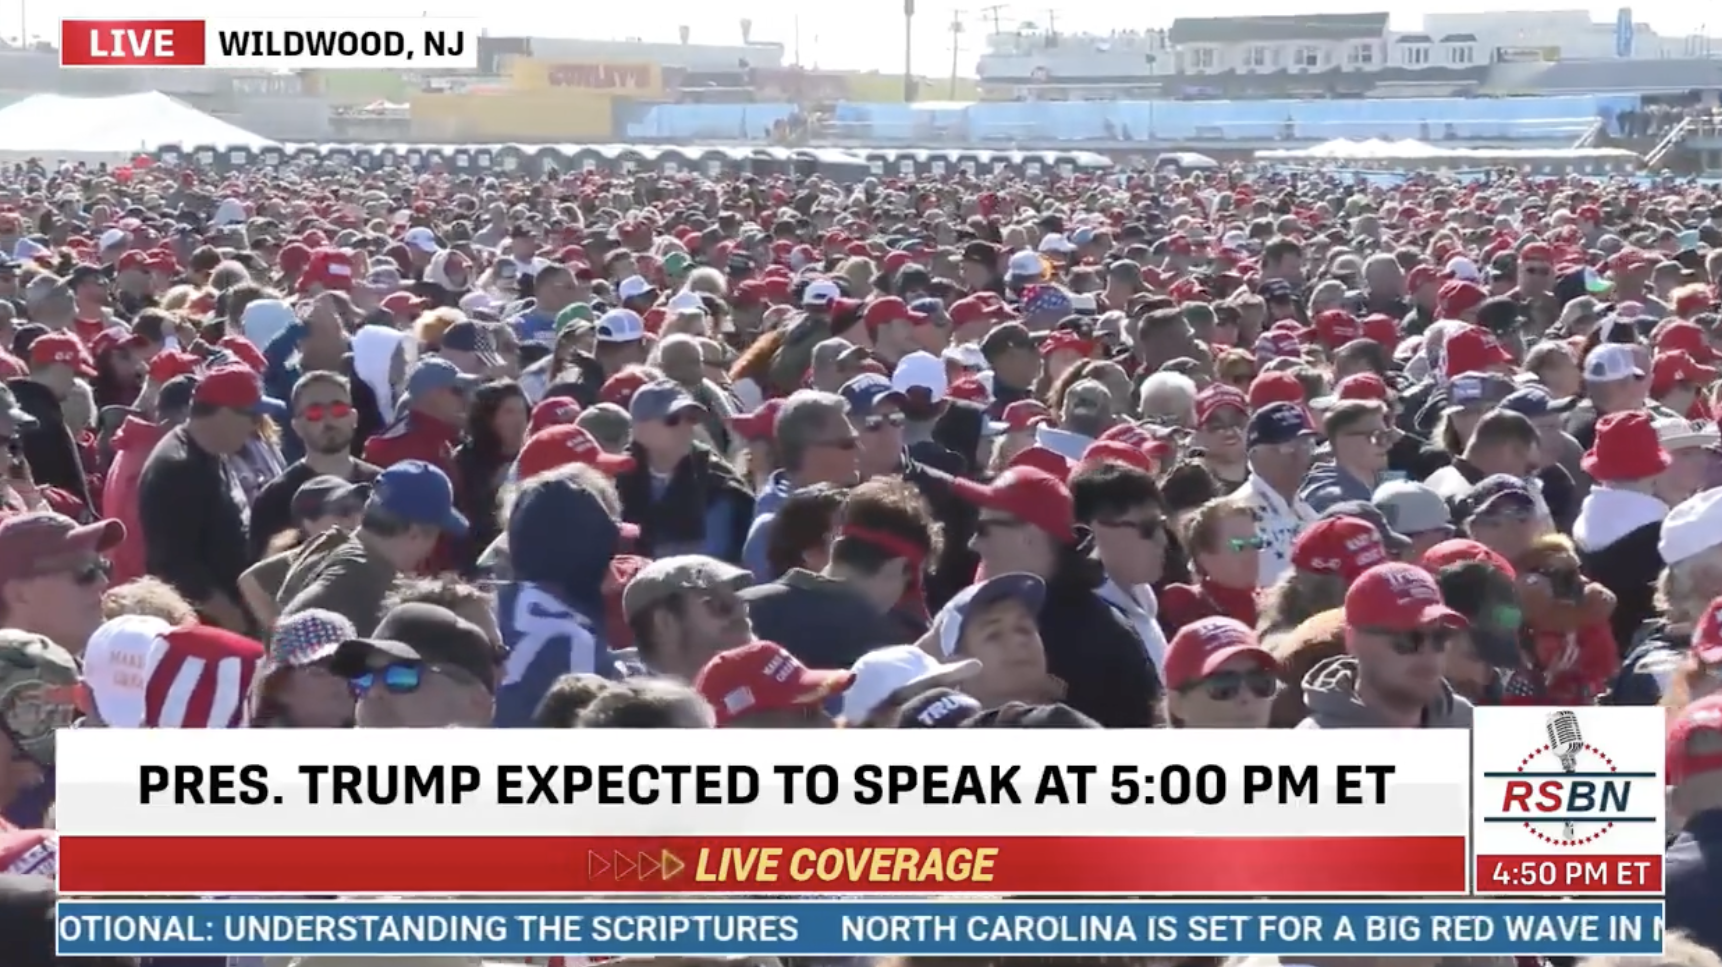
point(815, 444)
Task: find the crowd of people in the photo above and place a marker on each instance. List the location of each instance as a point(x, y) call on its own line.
point(328, 448)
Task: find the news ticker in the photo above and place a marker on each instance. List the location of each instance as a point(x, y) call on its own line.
point(235, 928)
point(272, 43)
point(1196, 813)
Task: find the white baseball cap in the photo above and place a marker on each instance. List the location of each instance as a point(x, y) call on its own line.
point(112, 237)
point(821, 292)
point(685, 300)
point(1611, 362)
point(1692, 527)
point(1057, 243)
point(634, 287)
point(920, 370)
point(1675, 433)
point(420, 238)
point(899, 672)
point(117, 663)
point(620, 325)
point(1025, 263)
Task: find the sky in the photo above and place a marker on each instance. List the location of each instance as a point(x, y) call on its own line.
point(827, 35)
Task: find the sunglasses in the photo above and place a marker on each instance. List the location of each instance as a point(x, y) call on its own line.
point(318, 412)
point(93, 572)
point(1225, 686)
point(986, 525)
point(402, 678)
point(679, 419)
point(880, 421)
point(1535, 269)
point(1241, 544)
point(1151, 529)
point(1415, 641)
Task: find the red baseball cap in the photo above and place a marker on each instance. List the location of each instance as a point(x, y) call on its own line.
point(1398, 597)
point(1670, 368)
point(1701, 717)
point(1202, 646)
point(1042, 458)
point(62, 349)
point(887, 310)
point(1473, 350)
point(1275, 387)
point(1707, 634)
point(759, 424)
point(168, 363)
point(1021, 416)
point(1112, 451)
point(1028, 493)
point(559, 446)
point(1361, 386)
point(554, 411)
point(1460, 550)
point(231, 387)
point(1341, 546)
point(1685, 337)
point(763, 676)
point(1218, 396)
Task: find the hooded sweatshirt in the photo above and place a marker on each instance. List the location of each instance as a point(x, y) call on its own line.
point(1330, 694)
point(132, 444)
point(551, 615)
point(374, 350)
point(1618, 533)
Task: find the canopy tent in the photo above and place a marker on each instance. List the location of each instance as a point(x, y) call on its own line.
point(56, 128)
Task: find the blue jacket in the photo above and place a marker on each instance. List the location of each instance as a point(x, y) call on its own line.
point(1326, 485)
point(281, 370)
point(765, 508)
point(560, 542)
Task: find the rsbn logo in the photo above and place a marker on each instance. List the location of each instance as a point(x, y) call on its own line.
point(1567, 791)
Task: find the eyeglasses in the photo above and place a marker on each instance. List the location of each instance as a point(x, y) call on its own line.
point(318, 412)
point(91, 572)
point(1563, 583)
point(1376, 438)
point(1150, 529)
point(1241, 544)
point(879, 421)
point(1225, 686)
point(1414, 641)
point(986, 525)
point(678, 419)
point(401, 678)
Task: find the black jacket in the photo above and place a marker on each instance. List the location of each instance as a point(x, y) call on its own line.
point(1092, 648)
point(1628, 567)
point(193, 530)
point(675, 522)
point(272, 508)
point(49, 446)
point(1693, 879)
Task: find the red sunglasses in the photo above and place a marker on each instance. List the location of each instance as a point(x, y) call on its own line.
point(318, 412)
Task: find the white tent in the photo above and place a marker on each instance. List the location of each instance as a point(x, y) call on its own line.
point(55, 128)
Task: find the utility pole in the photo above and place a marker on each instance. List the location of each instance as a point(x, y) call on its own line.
point(956, 49)
point(995, 14)
point(1052, 25)
point(908, 51)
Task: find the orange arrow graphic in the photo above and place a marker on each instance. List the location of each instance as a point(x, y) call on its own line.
point(672, 865)
point(596, 865)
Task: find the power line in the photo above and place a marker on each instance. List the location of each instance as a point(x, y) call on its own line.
point(995, 14)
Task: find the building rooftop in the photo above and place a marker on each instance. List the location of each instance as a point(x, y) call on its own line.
point(1238, 30)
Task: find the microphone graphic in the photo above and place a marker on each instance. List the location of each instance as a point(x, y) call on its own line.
point(1566, 743)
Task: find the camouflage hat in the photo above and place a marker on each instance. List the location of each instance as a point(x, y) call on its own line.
point(609, 424)
point(38, 692)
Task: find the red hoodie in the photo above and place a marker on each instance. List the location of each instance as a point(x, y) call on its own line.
point(132, 444)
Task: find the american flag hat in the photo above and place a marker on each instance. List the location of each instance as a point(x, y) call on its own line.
point(1046, 299)
point(198, 679)
point(308, 637)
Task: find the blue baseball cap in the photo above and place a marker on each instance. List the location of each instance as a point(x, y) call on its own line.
point(432, 374)
point(1027, 588)
point(1470, 389)
point(660, 400)
point(1278, 423)
point(1497, 492)
point(866, 391)
point(419, 493)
